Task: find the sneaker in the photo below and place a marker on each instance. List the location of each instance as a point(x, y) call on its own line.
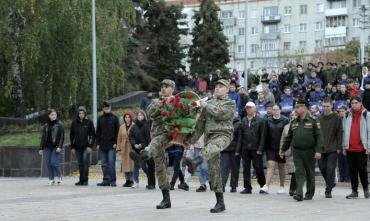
point(366, 193)
point(59, 180)
point(51, 182)
point(183, 186)
point(128, 183)
point(202, 188)
point(281, 191)
point(135, 185)
point(233, 190)
point(246, 191)
point(353, 195)
point(264, 189)
point(328, 194)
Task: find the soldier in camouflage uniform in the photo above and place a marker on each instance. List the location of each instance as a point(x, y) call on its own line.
point(159, 143)
point(216, 123)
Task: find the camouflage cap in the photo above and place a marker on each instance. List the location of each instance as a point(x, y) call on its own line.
point(168, 82)
point(223, 82)
point(301, 102)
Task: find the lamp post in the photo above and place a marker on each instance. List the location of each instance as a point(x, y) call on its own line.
point(94, 92)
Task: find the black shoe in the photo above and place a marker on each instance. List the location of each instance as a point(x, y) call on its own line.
point(144, 155)
point(202, 188)
point(183, 186)
point(172, 186)
point(308, 197)
point(113, 184)
point(166, 202)
point(353, 195)
point(246, 191)
point(298, 198)
point(291, 192)
point(192, 163)
point(263, 192)
point(223, 189)
point(233, 190)
point(135, 157)
point(328, 194)
point(150, 187)
point(366, 193)
point(79, 183)
point(103, 184)
point(128, 183)
point(220, 205)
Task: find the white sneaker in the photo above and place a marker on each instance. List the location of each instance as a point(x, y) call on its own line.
point(281, 190)
point(59, 180)
point(135, 185)
point(51, 182)
point(264, 189)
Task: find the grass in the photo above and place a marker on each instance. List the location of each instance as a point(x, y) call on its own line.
point(20, 139)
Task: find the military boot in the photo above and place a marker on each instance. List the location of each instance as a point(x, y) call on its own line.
point(220, 205)
point(166, 202)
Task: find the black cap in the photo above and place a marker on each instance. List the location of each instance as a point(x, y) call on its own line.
point(301, 102)
point(105, 104)
point(299, 65)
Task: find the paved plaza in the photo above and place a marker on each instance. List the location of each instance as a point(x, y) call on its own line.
point(31, 199)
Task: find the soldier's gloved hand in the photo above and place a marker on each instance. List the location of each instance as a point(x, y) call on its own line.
point(317, 156)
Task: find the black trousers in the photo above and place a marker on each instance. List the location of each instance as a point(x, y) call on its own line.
point(357, 163)
point(327, 164)
point(83, 158)
point(175, 161)
point(293, 183)
point(150, 172)
point(230, 163)
point(251, 156)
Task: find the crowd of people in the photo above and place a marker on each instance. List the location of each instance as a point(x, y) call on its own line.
point(326, 106)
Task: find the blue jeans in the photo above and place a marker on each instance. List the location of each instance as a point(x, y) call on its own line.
point(83, 158)
point(108, 165)
point(52, 159)
point(202, 168)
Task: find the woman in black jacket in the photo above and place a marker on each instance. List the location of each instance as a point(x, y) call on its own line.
point(51, 146)
point(140, 138)
point(274, 127)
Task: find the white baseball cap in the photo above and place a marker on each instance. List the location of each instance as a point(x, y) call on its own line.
point(250, 104)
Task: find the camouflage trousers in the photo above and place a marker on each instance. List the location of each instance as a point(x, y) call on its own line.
point(214, 144)
point(157, 150)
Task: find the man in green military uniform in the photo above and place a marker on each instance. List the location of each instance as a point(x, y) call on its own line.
point(355, 70)
point(216, 123)
point(159, 143)
point(306, 139)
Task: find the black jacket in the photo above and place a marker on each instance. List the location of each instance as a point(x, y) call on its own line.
point(107, 131)
point(140, 134)
point(234, 142)
point(52, 135)
point(82, 134)
point(273, 130)
point(366, 99)
point(250, 137)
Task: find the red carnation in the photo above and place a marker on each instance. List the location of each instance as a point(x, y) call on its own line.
point(189, 96)
point(186, 109)
point(193, 103)
point(170, 114)
point(177, 98)
point(164, 113)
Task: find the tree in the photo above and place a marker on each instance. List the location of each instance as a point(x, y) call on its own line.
point(209, 49)
point(352, 48)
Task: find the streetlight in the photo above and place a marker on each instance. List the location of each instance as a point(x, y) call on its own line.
point(95, 105)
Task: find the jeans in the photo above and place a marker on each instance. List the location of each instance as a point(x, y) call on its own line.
point(202, 168)
point(343, 168)
point(83, 158)
point(52, 159)
point(175, 161)
point(229, 164)
point(148, 168)
point(248, 157)
point(108, 164)
point(358, 167)
point(327, 164)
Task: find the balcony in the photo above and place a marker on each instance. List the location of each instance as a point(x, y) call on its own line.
point(269, 36)
point(335, 32)
point(228, 21)
point(336, 12)
point(269, 19)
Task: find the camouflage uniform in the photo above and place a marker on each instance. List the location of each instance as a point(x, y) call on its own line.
point(216, 123)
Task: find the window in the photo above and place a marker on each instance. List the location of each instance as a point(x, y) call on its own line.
point(254, 48)
point(288, 10)
point(319, 26)
point(303, 9)
point(318, 44)
point(270, 11)
point(252, 64)
point(240, 65)
point(254, 30)
point(286, 46)
point(241, 49)
point(242, 14)
point(356, 22)
point(302, 27)
point(356, 3)
point(241, 31)
point(269, 45)
point(335, 41)
point(287, 28)
point(267, 29)
point(254, 13)
point(319, 7)
point(337, 4)
point(335, 21)
point(226, 14)
point(302, 44)
point(228, 30)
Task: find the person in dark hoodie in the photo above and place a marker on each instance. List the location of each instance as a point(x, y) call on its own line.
point(139, 137)
point(229, 162)
point(51, 146)
point(331, 128)
point(106, 142)
point(366, 95)
point(82, 136)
